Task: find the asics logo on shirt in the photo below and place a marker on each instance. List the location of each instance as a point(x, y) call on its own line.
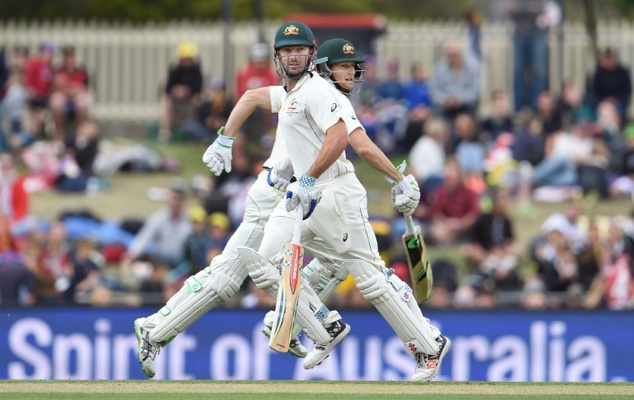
point(333, 107)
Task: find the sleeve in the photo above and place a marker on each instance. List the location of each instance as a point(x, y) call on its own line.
point(277, 97)
point(349, 115)
point(322, 104)
point(197, 84)
point(171, 80)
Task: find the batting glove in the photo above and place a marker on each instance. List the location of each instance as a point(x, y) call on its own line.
point(305, 192)
point(218, 154)
point(280, 175)
point(406, 195)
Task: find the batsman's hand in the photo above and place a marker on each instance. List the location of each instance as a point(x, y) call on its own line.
point(406, 195)
point(305, 192)
point(218, 155)
point(280, 175)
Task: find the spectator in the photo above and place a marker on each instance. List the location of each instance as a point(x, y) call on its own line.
point(611, 80)
point(623, 186)
point(548, 114)
point(194, 258)
point(70, 97)
point(455, 86)
point(427, 157)
point(416, 95)
point(79, 157)
point(164, 232)
point(391, 110)
point(470, 152)
point(17, 282)
point(86, 276)
point(218, 235)
point(499, 120)
point(15, 199)
point(54, 268)
point(491, 246)
point(473, 18)
point(212, 113)
point(38, 81)
point(257, 73)
point(182, 91)
point(454, 208)
point(530, 50)
point(13, 105)
point(568, 224)
point(569, 103)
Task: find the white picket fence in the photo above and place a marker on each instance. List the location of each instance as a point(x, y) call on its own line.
point(128, 62)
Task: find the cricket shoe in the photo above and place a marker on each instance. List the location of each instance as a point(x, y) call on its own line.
point(295, 347)
point(338, 331)
point(148, 350)
point(428, 366)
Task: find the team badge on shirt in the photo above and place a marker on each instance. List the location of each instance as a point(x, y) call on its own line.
point(291, 30)
point(292, 106)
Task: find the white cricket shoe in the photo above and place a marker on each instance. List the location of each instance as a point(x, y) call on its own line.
point(428, 366)
point(147, 350)
point(338, 331)
point(295, 347)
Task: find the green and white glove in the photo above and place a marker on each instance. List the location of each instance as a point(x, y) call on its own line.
point(218, 155)
point(405, 194)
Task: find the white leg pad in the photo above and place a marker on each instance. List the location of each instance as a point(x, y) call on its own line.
point(323, 278)
point(309, 308)
point(392, 297)
point(200, 293)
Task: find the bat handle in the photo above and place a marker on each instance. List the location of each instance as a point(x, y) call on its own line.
point(297, 231)
point(410, 224)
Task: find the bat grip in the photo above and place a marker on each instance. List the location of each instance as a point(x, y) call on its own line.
point(297, 231)
point(410, 224)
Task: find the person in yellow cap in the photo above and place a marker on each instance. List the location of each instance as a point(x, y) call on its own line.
point(182, 91)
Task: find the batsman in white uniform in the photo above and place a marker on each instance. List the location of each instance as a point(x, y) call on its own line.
point(316, 135)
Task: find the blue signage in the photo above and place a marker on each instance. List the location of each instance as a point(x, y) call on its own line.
point(95, 343)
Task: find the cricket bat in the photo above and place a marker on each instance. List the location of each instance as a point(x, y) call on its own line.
point(288, 292)
point(418, 261)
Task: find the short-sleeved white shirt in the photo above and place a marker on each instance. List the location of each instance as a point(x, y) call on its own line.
point(278, 152)
point(305, 114)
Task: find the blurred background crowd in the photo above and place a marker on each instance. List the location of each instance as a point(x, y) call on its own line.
point(484, 173)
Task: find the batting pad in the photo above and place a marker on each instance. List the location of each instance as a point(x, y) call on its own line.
point(267, 277)
point(323, 278)
point(394, 305)
point(200, 293)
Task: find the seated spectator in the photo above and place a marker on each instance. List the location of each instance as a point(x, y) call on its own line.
point(611, 80)
point(427, 157)
point(70, 97)
point(87, 263)
point(491, 246)
point(13, 106)
point(17, 281)
point(194, 257)
point(548, 114)
point(454, 207)
point(455, 84)
point(38, 80)
point(623, 186)
point(164, 232)
point(16, 199)
point(391, 109)
point(613, 287)
point(79, 156)
point(557, 265)
point(219, 232)
point(499, 120)
point(418, 99)
point(470, 152)
point(567, 222)
point(445, 284)
point(212, 113)
point(569, 103)
point(184, 85)
point(54, 268)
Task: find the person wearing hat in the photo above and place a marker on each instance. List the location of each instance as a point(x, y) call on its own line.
point(182, 91)
point(70, 95)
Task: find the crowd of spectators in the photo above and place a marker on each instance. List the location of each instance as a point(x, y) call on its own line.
point(473, 164)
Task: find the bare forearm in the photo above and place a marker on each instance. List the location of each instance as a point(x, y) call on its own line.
point(251, 100)
point(371, 154)
point(335, 144)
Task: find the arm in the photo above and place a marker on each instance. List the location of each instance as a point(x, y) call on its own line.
point(251, 100)
point(335, 144)
point(371, 154)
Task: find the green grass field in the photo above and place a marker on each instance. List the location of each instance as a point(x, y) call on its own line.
point(308, 390)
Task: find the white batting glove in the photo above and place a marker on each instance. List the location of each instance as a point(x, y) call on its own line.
point(305, 192)
point(218, 155)
point(280, 174)
point(406, 195)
